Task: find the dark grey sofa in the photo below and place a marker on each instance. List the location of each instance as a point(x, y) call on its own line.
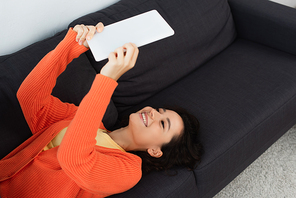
point(231, 63)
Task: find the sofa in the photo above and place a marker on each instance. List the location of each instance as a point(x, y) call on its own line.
point(230, 63)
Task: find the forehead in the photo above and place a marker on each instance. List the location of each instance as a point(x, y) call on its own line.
point(177, 124)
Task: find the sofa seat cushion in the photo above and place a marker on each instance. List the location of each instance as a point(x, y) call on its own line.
point(245, 99)
point(180, 185)
point(202, 30)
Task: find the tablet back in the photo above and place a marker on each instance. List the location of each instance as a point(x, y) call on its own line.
point(141, 29)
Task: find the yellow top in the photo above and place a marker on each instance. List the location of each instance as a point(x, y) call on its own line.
point(102, 138)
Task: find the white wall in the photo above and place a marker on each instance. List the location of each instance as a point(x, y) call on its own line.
point(24, 22)
point(291, 3)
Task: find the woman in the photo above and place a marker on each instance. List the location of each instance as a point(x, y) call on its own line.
point(68, 156)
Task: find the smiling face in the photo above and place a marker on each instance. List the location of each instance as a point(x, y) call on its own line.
point(152, 128)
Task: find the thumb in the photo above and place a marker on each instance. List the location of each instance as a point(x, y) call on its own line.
point(100, 27)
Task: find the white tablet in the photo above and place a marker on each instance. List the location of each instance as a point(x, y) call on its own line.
point(141, 30)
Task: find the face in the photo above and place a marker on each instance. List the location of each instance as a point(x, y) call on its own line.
point(152, 128)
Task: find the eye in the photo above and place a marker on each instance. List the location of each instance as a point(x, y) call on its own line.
point(162, 123)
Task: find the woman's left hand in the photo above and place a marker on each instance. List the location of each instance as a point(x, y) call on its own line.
point(120, 61)
point(86, 32)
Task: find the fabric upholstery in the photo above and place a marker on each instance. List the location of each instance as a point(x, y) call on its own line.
point(265, 22)
point(202, 30)
point(180, 185)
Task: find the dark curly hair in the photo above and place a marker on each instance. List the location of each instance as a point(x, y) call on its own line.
point(184, 150)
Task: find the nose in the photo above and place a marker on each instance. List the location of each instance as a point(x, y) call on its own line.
point(154, 114)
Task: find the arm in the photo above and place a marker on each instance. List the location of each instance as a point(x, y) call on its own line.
point(93, 170)
point(39, 107)
point(97, 169)
point(265, 22)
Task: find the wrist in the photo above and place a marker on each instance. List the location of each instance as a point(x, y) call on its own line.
point(109, 76)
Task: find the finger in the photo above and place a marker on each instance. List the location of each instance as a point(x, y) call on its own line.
point(130, 49)
point(76, 28)
point(120, 54)
point(100, 27)
point(79, 30)
point(135, 55)
point(112, 56)
point(83, 36)
point(92, 31)
point(132, 55)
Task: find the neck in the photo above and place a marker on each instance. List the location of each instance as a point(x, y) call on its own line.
point(123, 138)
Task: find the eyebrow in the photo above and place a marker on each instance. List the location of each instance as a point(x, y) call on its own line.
point(169, 121)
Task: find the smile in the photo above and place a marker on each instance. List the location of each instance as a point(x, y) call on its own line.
point(144, 118)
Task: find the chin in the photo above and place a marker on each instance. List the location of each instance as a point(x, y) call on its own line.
point(135, 123)
point(133, 119)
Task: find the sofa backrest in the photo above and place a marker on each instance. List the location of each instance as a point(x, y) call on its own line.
point(202, 30)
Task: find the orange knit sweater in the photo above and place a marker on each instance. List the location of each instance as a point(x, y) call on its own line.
point(76, 168)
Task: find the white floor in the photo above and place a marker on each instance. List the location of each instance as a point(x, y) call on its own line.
point(272, 175)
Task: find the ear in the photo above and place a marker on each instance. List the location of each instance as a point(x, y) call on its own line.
point(155, 152)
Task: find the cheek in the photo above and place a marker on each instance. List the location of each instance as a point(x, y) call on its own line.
point(145, 136)
point(150, 135)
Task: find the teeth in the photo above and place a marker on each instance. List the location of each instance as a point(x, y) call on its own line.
point(144, 118)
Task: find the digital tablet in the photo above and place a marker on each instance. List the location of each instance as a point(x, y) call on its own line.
point(141, 29)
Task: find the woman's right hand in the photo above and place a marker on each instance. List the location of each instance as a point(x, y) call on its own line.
point(120, 61)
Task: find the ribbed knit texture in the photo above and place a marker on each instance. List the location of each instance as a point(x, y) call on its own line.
point(76, 168)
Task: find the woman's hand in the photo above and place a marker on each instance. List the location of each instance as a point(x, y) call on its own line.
point(120, 61)
point(86, 32)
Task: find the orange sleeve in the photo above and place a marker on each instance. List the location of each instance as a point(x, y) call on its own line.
point(96, 169)
point(39, 107)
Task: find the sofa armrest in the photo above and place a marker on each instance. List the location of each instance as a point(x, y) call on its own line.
point(265, 22)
